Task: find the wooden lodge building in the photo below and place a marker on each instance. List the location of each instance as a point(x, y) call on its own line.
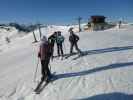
point(98, 22)
point(98, 19)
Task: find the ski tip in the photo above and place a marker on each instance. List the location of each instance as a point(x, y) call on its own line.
point(36, 92)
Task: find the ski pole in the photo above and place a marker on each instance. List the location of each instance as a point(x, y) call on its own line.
point(64, 47)
point(50, 67)
point(36, 71)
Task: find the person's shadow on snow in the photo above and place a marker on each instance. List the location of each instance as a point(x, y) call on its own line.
point(109, 96)
point(94, 70)
point(105, 50)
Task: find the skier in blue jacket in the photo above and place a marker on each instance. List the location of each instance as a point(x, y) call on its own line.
point(59, 40)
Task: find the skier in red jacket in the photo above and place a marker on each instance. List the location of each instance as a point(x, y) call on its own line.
point(44, 54)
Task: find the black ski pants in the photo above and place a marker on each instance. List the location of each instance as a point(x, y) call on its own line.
point(60, 49)
point(76, 47)
point(45, 70)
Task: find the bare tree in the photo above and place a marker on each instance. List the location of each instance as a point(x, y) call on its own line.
point(7, 39)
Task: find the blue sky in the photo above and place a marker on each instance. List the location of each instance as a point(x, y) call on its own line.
point(63, 11)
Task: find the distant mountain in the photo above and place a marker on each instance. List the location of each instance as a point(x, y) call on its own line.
point(20, 27)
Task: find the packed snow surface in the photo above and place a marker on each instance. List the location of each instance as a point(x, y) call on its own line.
point(104, 72)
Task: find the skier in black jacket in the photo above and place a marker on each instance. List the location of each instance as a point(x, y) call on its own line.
point(73, 38)
point(52, 40)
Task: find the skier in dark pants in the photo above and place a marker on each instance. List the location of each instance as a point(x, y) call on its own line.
point(59, 41)
point(44, 54)
point(73, 38)
point(52, 40)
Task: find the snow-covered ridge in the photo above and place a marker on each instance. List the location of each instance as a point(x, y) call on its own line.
point(11, 33)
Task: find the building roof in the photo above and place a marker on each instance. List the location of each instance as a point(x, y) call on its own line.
point(97, 16)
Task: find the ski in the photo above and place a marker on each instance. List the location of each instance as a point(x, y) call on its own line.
point(40, 87)
point(66, 55)
point(69, 55)
point(79, 55)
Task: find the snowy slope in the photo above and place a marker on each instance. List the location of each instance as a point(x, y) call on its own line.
point(12, 33)
point(103, 73)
